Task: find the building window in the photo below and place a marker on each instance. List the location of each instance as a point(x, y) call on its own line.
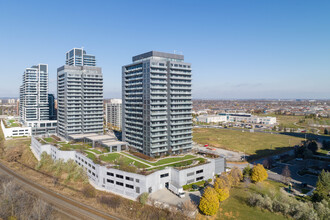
point(119, 183)
point(109, 174)
point(129, 186)
point(129, 178)
point(190, 174)
point(137, 180)
point(199, 178)
point(119, 176)
point(110, 181)
point(199, 171)
point(164, 175)
point(137, 189)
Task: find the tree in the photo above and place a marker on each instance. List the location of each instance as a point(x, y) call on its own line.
point(247, 171)
point(223, 194)
point(236, 175)
point(209, 203)
point(223, 181)
point(258, 173)
point(143, 198)
point(322, 190)
point(286, 175)
point(312, 145)
point(89, 191)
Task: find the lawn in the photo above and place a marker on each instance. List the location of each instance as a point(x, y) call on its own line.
point(90, 155)
point(68, 147)
point(256, 144)
point(49, 140)
point(110, 157)
point(235, 206)
point(115, 156)
point(163, 161)
point(13, 123)
point(95, 151)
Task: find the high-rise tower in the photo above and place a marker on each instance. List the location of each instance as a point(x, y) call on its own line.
point(34, 94)
point(78, 57)
point(79, 95)
point(156, 94)
point(113, 111)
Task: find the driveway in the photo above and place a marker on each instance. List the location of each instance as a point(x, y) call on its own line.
point(167, 197)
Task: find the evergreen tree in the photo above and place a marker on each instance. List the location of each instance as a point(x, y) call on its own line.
point(322, 190)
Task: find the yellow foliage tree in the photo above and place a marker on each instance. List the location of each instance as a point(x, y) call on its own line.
point(223, 194)
point(223, 181)
point(236, 175)
point(259, 173)
point(209, 203)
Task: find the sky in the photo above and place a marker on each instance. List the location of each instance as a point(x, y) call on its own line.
point(245, 49)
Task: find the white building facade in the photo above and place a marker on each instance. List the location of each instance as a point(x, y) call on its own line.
point(127, 184)
point(80, 98)
point(33, 104)
point(157, 105)
point(15, 131)
point(113, 113)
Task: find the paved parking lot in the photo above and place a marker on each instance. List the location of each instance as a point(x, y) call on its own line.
point(294, 167)
point(167, 197)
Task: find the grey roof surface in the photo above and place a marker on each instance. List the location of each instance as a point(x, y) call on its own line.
point(158, 54)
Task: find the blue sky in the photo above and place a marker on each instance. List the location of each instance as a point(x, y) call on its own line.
point(238, 49)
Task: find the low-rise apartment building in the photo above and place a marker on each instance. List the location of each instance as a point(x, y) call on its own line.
point(129, 184)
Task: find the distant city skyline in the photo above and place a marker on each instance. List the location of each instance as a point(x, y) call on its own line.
point(239, 49)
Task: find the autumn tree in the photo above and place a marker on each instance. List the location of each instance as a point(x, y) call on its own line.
point(223, 194)
point(236, 175)
point(209, 203)
point(258, 173)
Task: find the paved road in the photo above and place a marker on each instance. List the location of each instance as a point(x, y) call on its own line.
point(71, 208)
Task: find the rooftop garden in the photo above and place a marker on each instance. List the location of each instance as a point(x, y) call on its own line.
point(11, 123)
point(124, 160)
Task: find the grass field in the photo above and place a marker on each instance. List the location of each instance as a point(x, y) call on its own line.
point(292, 121)
point(256, 144)
point(235, 207)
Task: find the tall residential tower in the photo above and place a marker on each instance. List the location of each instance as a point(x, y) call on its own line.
point(157, 105)
point(113, 111)
point(33, 105)
point(34, 94)
point(79, 95)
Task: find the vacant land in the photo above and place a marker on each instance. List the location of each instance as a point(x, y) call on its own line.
point(235, 207)
point(257, 144)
